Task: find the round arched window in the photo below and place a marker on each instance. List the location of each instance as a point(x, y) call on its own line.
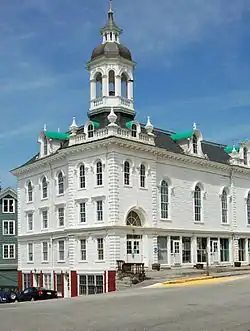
point(133, 219)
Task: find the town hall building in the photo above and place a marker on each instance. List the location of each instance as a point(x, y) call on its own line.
point(115, 189)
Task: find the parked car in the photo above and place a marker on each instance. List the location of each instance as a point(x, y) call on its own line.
point(36, 293)
point(8, 296)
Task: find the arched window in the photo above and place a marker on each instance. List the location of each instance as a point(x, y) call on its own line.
point(90, 130)
point(110, 35)
point(197, 203)
point(224, 207)
point(124, 86)
point(45, 146)
point(195, 144)
point(60, 179)
point(126, 173)
point(82, 179)
point(142, 175)
point(30, 191)
point(98, 81)
point(106, 36)
point(134, 130)
point(99, 173)
point(248, 208)
point(44, 188)
point(111, 83)
point(245, 155)
point(164, 199)
point(133, 219)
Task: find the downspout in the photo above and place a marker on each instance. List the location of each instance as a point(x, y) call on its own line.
point(233, 211)
point(52, 237)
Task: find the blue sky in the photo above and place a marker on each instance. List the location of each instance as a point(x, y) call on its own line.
point(192, 66)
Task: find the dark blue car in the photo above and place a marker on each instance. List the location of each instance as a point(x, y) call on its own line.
point(8, 296)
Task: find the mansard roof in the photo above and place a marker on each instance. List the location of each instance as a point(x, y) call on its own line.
point(163, 139)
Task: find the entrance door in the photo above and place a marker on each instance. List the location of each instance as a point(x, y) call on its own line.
point(134, 249)
point(175, 252)
point(214, 251)
point(162, 243)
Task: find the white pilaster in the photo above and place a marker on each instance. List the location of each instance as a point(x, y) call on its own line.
point(92, 89)
point(105, 86)
point(130, 90)
point(118, 85)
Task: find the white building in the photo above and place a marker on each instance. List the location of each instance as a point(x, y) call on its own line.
point(113, 189)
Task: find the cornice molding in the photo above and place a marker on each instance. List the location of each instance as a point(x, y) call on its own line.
point(131, 145)
point(109, 230)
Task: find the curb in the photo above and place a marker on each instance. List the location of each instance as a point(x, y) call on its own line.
point(186, 280)
point(193, 279)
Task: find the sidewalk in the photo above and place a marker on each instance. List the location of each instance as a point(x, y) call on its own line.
point(173, 274)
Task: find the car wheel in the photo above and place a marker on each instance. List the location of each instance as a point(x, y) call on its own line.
point(13, 297)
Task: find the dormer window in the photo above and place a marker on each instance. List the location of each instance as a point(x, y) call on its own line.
point(90, 131)
point(195, 144)
point(134, 130)
point(245, 156)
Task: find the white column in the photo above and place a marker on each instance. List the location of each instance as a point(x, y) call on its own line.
point(194, 250)
point(209, 250)
point(92, 89)
point(169, 250)
point(118, 86)
point(104, 85)
point(181, 251)
point(246, 250)
point(130, 90)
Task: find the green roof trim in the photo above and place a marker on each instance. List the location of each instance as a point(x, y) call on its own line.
point(229, 149)
point(129, 124)
point(56, 135)
point(181, 135)
point(96, 124)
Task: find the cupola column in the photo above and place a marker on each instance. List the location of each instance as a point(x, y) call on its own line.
point(92, 89)
point(118, 85)
point(105, 84)
point(130, 89)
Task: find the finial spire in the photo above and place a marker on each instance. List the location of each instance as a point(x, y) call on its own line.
point(110, 6)
point(111, 31)
point(111, 13)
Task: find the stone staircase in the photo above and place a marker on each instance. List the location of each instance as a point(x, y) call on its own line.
point(123, 283)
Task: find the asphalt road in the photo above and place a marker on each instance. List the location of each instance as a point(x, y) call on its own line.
point(210, 307)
